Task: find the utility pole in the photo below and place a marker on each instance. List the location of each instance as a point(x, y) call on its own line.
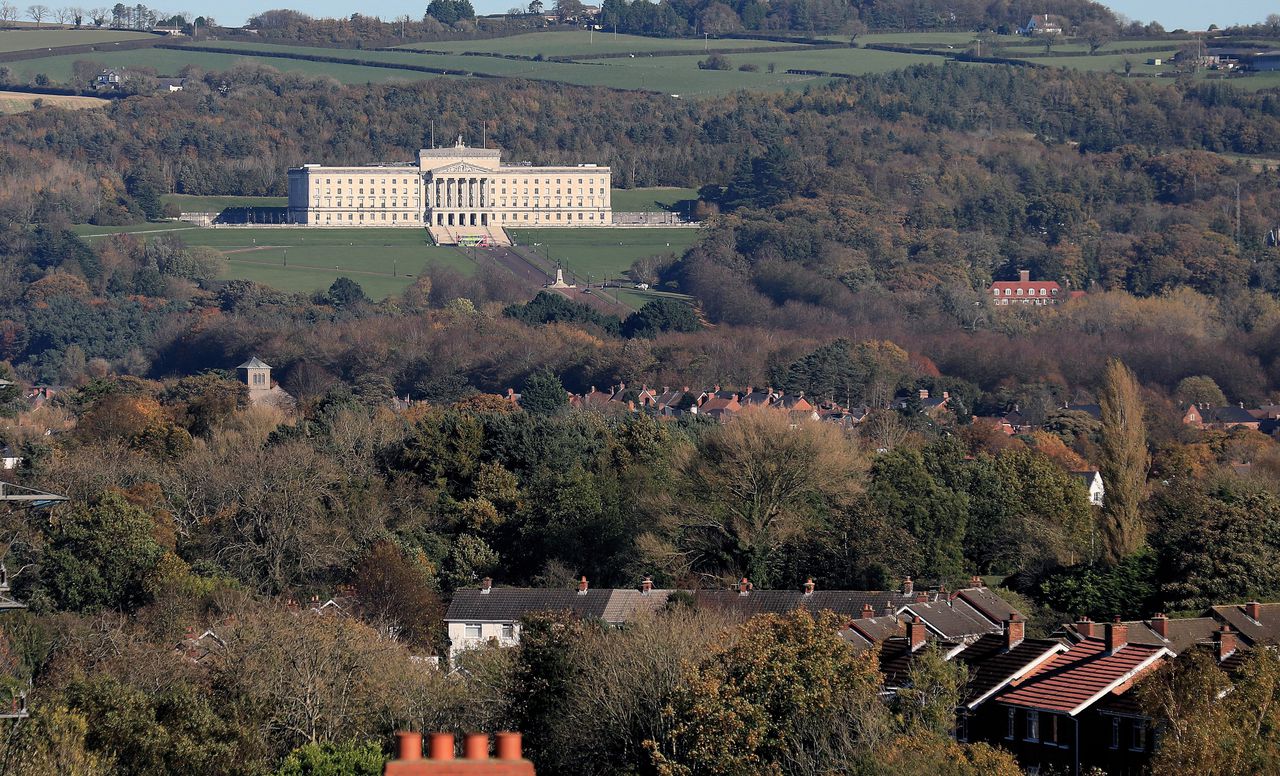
point(706, 42)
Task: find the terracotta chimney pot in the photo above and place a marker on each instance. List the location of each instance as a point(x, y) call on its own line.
point(476, 746)
point(408, 745)
point(441, 746)
point(509, 746)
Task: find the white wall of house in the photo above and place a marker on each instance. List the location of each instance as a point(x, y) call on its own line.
point(469, 635)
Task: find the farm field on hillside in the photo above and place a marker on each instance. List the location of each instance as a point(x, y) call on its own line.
point(24, 40)
point(171, 62)
point(584, 42)
point(19, 102)
point(680, 76)
point(603, 252)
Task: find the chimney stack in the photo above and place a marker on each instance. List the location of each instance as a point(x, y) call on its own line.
point(1224, 642)
point(915, 633)
point(868, 611)
point(907, 586)
point(508, 759)
point(1160, 624)
point(922, 597)
point(1117, 635)
point(1024, 275)
point(1253, 610)
point(744, 586)
point(486, 585)
point(975, 581)
point(1015, 630)
point(582, 586)
point(646, 585)
point(808, 587)
point(1084, 626)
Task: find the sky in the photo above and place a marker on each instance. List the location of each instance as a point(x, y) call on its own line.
point(1187, 14)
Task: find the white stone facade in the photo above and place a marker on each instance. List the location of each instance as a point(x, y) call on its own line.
point(451, 188)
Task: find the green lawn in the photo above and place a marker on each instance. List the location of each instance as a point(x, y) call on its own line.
point(649, 200)
point(171, 62)
point(24, 40)
point(603, 252)
point(920, 39)
point(195, 203)
point(383, 261)
point(584, 42)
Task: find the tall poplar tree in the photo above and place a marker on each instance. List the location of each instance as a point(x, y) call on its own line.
point(1123, 463)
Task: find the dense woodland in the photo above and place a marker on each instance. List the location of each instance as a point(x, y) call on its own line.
point(851, 232)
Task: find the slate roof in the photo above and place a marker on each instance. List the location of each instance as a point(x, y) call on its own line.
point(1076, 679)
point(847, 603)
point(509, 604)
point(254, 363)
point(954, 619)
point(990, 605)
point(1264, 630)
point(872, 629)
point(1229, 414)
point(1184, 632)
point(992, 665)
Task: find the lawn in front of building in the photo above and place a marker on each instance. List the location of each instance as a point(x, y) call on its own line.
point(603, 252)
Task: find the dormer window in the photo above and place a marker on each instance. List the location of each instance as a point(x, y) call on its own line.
point(1007, 292)
point(1019, 292)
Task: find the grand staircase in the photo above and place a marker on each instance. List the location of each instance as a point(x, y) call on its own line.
point(452, 235)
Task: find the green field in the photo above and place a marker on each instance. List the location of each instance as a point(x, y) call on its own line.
point(382, 261)
point(171, 62)
point(586, 43)
point(649, 200)
point(677, 75)
point(194, 203)
point(25, 40)
point(603, 252)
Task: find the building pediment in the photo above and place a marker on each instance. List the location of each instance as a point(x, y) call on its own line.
point(461, 168)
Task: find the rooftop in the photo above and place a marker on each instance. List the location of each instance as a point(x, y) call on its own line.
point(1087, 672)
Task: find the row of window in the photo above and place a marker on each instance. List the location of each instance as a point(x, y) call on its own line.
point(329, 202)
point(1037, 302)
point(329, 217)
point(1030, 292)
point(372, 191)
point(1050, 734)
point(475, 630)
point(383, 181)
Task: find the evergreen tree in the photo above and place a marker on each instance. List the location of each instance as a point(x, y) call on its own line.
point(543, 394)
point(1124, 462)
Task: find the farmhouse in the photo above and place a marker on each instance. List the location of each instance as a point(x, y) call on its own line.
point(1024, 290)
point(459, 194)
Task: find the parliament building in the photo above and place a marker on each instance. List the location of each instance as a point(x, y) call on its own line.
point(456, 193)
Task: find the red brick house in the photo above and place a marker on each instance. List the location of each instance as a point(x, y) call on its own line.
point(1024, 290)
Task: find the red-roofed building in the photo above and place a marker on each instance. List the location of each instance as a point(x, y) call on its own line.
point(1024, 290)
point(1060, 716)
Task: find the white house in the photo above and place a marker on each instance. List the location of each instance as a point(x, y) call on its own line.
point(1092, 480)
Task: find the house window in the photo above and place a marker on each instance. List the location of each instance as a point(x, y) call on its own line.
point(1139, 743)
point(1007, 292)
point(508, 631)
point(259, 379)
point(1019, 292)
point(1033, 726)
point(1115, 732)
point(1009, 730)
point(962, 728)
point(1051, 729)
point(472, 630)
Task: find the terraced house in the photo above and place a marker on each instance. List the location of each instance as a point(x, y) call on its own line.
point(458, 194)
